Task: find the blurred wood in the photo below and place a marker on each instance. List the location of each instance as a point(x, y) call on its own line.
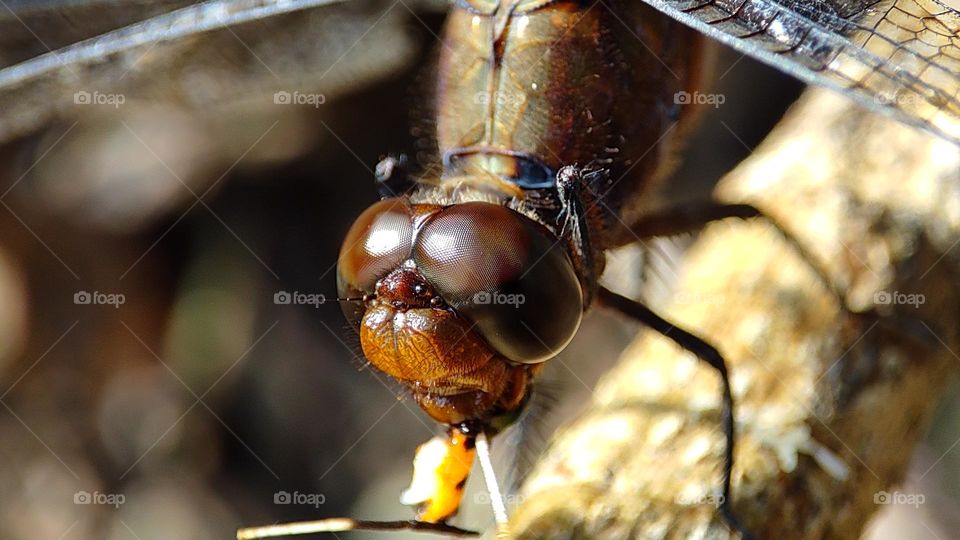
point(829, 407)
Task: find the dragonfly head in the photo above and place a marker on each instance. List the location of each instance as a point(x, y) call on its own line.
point(463, 303)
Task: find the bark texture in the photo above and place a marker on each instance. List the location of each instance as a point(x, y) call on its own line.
point(829, 407)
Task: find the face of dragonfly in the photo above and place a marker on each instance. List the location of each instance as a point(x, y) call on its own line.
point(466, 301)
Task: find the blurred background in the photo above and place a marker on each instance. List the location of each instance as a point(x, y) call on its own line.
point(158, 202)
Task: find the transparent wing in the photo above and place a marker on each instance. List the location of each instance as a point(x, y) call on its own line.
point(899, 57)
point(29, 28)
point(199, 55)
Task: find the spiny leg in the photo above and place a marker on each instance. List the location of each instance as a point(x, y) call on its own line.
point(572, 190)
point(705, 352)
point(573, 222)
point(692, 217)
point(393, 176)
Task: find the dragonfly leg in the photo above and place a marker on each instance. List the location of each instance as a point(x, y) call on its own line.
point(705, 352)
point(573, 225)
point(393, 176)
point(692, 217)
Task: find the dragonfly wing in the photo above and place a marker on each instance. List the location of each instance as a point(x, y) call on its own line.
point(29, 28)
point(898, 57)
point(203, 55)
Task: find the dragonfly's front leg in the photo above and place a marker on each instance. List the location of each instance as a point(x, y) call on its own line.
point(394, 177)
point(693, 217)
point(705, 352)
point(573, 226)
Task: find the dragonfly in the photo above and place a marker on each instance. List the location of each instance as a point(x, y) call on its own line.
point(471, 274)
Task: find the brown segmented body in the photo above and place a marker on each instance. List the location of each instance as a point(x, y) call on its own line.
point(536, 85)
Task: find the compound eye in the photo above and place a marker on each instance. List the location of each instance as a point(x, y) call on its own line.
point(472, 247)
point(379, 241)
point(506, 273)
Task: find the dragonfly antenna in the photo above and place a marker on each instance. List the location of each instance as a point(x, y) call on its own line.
point(335, 525)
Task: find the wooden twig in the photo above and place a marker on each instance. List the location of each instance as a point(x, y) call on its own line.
point(340, 525)
point(829, 406)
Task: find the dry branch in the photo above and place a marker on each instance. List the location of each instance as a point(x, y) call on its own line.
point(829, 407)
